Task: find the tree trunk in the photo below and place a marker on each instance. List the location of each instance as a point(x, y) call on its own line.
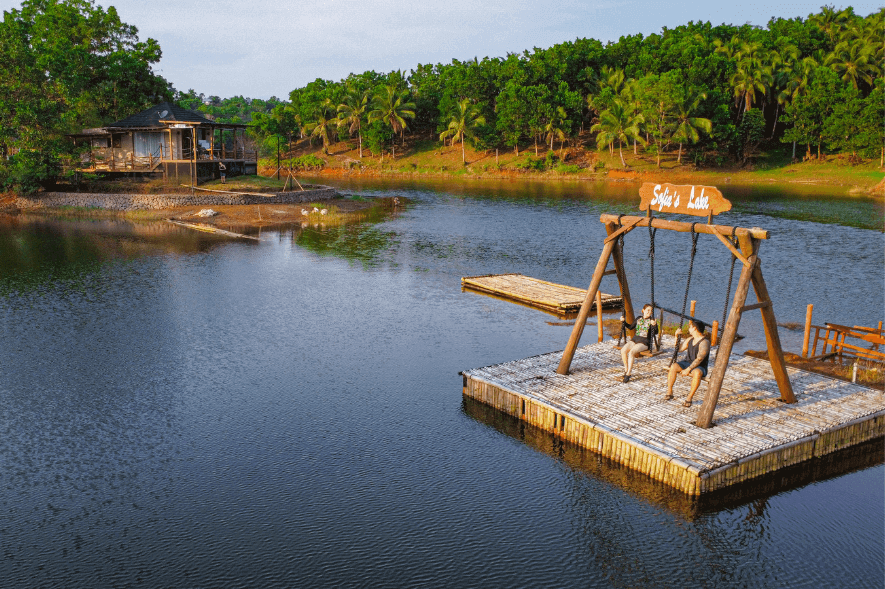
point(360, 135)
point(634, 146)
point(463, 156)
point(679, 159)
point(536, 146)
point(794, 151)
point(774, 126)
point(621, 152)
point(659, 156)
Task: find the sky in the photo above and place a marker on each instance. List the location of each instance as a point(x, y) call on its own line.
point(264, 48)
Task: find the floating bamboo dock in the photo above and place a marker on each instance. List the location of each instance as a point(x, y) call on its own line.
point(755, 433)
point(547, 296)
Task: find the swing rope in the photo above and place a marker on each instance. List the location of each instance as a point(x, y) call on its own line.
point(656, 342)
point(694, 249)
point(619, 245)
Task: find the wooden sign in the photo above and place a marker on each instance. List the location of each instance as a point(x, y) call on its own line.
point(687, 200)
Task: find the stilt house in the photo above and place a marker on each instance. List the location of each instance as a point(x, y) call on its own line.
point(169, 141)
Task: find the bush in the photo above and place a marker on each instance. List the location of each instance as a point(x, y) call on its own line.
point(598, 165)
point(531, 164)
point(305, 162)
point(568, 169)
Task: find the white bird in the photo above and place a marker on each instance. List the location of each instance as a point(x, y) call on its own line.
point(324, 211)
point(316, 210)
point(395, 201)
point(305, 212)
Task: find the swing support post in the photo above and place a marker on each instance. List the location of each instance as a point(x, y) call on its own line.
point(569, 353)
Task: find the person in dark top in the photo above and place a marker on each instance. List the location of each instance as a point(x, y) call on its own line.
point(695, 364)
point(646, 329)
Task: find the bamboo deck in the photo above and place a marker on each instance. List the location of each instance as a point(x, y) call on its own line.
point(547, 296)
point(754, 434)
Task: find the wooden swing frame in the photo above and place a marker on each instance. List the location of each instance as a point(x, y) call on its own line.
point(749, 241)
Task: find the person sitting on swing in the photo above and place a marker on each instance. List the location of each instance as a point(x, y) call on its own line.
point(695, 363)
point(646, 329)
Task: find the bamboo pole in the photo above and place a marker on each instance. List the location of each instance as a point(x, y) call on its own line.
point(569, 353)
point(808, 313)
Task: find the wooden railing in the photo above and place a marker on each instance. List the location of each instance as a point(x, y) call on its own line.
point(834, 344)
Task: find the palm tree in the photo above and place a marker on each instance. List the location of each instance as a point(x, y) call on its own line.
point(687, 126)
point(830, 21)
point(463, 121)
point(554, 128)
point(321, 125)
point(852, 61)
point(393, 107)
point(619, 123)
point(753, 75)
point(352, 111)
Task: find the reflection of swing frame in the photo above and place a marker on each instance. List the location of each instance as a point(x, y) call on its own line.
point(748, 241)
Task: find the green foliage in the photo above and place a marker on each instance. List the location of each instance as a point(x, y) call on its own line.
point(568, 169)
point(305, 162)
point(376, 136)
point(28, 171)
point(66, 65)
point(531, 164)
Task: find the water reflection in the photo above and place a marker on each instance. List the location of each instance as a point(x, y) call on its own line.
point(751, 496)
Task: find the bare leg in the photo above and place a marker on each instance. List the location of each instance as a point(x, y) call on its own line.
point(695, 384)
point(624, 351)
point(631, 356)
point(671, 378)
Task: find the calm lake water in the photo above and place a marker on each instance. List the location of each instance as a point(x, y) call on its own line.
point(180, 410)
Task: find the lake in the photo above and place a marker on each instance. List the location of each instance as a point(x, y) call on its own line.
point(181, 410)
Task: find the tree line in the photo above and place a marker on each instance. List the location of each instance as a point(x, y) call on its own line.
point(724, 91)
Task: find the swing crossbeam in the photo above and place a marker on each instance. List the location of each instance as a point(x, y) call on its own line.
point(681, 226)
point(751, 274)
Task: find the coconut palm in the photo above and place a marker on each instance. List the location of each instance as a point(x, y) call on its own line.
point(324, 122)
point(554, 130)
point(618, 123)
point(392, 107)
point(853, 60)
point(464, 118)
point(753, 75)
point(688, 127)
point(352, 112)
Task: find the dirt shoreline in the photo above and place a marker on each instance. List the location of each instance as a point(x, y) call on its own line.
point(239, 218)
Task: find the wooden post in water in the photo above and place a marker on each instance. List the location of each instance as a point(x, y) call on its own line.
point(808, 313)
point(599, 314)
point(569, 353)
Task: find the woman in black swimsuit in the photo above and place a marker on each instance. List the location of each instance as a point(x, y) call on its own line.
point(695, 363)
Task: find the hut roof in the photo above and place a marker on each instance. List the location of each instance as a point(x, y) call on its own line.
point(164, 111)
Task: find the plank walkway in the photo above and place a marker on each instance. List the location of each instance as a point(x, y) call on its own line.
point(754, 434)
point(547, 296)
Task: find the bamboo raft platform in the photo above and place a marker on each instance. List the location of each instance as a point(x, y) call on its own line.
point(533, 292)
point(755, 433)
